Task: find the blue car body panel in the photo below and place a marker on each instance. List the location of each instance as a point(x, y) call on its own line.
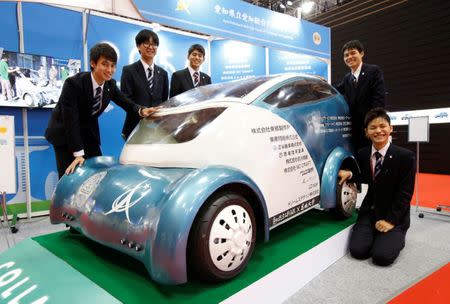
point(145, 212)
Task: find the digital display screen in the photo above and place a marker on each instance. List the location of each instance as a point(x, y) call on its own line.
point(33, 81)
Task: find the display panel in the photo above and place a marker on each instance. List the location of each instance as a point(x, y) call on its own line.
point(29, 80)
point(232, 60)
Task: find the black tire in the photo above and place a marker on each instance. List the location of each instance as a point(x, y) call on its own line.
point(222, 214)
point(346, 195)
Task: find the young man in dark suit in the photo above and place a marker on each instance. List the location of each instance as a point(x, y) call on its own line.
point(144, 82)
point(190, 77)
point(384, 216)
point(363, 88)
point(73, 128)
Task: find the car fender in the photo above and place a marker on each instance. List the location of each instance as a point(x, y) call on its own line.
point(168, 256)
point(330, 172)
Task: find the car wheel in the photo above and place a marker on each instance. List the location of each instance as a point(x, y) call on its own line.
point(222, 239)
point(29, 101)
point(346, 195)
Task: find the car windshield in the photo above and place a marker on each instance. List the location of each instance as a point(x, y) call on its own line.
point(173, 128)
point(216, 92)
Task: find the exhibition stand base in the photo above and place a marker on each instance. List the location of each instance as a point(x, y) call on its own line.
point(69, 268)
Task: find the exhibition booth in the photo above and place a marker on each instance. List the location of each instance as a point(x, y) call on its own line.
point(241, 41)
point(230, 192)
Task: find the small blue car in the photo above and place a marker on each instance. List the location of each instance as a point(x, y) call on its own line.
point(213, 167)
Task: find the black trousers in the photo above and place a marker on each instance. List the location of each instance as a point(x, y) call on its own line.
point(64, 156)
point(366, 241)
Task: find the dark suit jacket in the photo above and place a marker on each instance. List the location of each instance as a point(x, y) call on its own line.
point(368, 93)
point(391, 192)
point(71, 122)
point(182, 81)
point(133, 84)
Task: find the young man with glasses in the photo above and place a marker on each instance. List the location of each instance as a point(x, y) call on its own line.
point(190, 77)
point(143, 81)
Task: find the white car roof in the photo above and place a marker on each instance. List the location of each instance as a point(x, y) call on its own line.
point(229, 101)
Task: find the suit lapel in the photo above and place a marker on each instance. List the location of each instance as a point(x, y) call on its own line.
point(355, 90)
point(362, 76)
point(106, 94)
point(143, 75)
point(88, 87)
point(387, 163)
point(156, 79)
point(351, 89)
point(202, 79)
point(188, 78)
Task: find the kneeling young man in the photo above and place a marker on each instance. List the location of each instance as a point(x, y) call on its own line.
point(384, 216)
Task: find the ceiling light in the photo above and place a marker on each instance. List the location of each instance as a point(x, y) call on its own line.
point(289, 3)
point(307, 7)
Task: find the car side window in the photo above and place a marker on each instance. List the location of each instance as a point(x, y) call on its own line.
point(300, 91)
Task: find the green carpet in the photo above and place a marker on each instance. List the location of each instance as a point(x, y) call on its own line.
point(29, 274)
point(127, 280)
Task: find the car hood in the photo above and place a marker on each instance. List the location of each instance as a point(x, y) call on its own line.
point(128, 195)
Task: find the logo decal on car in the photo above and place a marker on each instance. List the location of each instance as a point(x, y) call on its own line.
point(125, 201)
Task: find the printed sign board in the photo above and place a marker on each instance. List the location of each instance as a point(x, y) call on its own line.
point(8, 163)
point(419, 129)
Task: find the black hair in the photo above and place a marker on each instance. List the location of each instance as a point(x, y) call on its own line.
point(196, 47)
point(353, 44)
point(102, 49)
point(146, 35)
point(374, 114)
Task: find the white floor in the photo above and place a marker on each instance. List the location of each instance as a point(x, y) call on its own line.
point(27, 228)
point(353, 281)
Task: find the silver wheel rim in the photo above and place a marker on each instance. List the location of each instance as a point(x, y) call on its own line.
point(230, 238)
point(348, 197)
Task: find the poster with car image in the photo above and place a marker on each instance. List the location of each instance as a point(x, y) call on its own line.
point(29, 80)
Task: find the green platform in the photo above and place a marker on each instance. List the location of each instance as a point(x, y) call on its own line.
point(127, 280)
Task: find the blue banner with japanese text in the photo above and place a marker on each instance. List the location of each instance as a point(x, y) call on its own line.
point(241, 21)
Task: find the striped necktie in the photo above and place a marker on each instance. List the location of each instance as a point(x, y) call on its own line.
point(150, 78)
point(196, 79)
point(97, 101)
point(354, 81)
point(378, 160)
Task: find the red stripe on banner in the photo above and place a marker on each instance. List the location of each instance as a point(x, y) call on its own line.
point(434, 189)
point(433, 289)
